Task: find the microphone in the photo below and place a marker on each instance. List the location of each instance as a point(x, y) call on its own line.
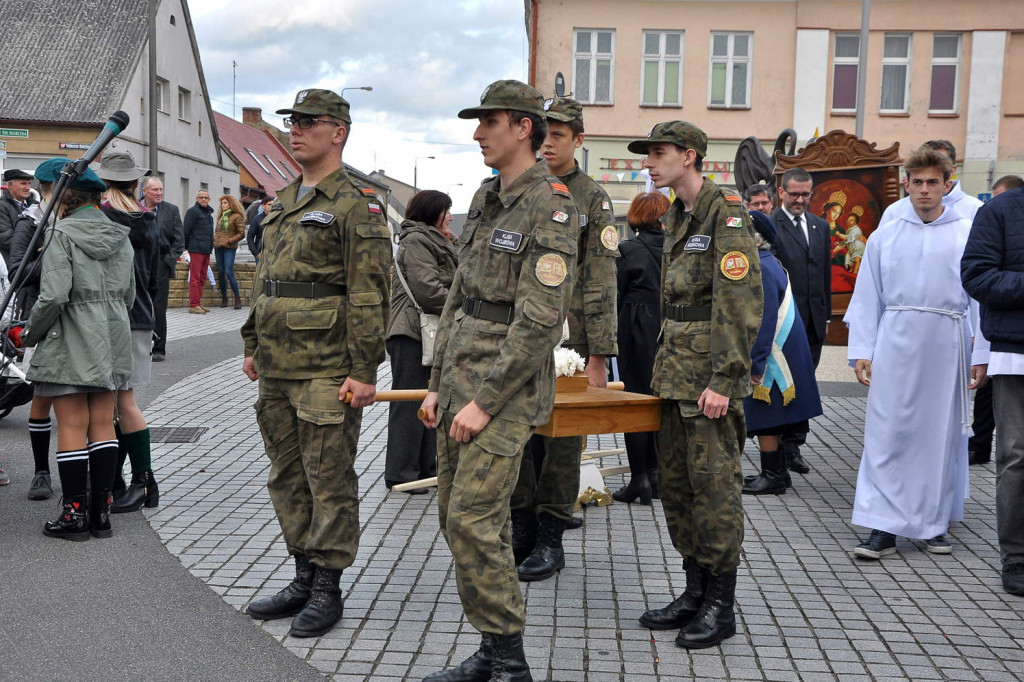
point(114, 126)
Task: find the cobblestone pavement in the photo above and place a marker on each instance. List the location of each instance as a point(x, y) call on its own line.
point(807, 610)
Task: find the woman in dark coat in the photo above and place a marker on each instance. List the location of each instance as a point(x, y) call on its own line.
point(639, 282)
point(785, 392)
point(427, 260)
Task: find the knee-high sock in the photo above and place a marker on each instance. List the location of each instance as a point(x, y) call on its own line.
point(102, 460)
point(137, 445)
point(39, 434)
point(73, 468)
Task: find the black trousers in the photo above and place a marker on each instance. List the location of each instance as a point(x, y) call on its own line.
point(412, 447)
point(984, 422)
point(163, 287)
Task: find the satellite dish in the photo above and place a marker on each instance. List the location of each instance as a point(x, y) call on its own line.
point(559, 84)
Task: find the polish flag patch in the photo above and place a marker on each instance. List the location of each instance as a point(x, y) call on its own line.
point(374, 208)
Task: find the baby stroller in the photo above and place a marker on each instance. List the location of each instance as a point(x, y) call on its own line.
point(15, 390)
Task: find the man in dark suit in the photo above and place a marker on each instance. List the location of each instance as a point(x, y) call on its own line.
point(802, 246)
point(172, 243)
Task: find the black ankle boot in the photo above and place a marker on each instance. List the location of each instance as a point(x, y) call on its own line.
point(324, 607)
point(73, 522)
point(134, 496)
point(685, 607)
point(152, 491)
point(524, 534)
point(476, 667)
point(509, 663)
point(99, 515)
point(772, 480)
point(639, 486)
point(548, 557)
point(716, 620)
point(291, 599)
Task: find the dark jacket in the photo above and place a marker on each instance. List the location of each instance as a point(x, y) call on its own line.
point(428, 260)
point(254, 235)
point(199, 229)
point(28, 287)
point(806, 403)
point(172, 237)
point(146, 242)
point(639, 304)
point(809, 268)
point(9, 212)
point(992, 269)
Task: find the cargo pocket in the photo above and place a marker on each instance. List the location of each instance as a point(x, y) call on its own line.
point(321, 439)
point(367, 318)
point(702, 436)
point(310, 332)
point(488, 468)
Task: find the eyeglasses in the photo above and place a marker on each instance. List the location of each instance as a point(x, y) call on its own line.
point(202, 198)
point(800, 195)
point(305, 123)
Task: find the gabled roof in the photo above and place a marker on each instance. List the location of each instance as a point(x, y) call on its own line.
point(259, 152)
point(68, 60)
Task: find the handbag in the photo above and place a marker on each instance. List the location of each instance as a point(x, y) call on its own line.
point(428, 323)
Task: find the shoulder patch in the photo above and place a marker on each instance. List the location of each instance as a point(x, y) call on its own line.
point(560, 217)
point(733, 199)
point(734, 221)
point(368, 191)
point(560, 188)
point(610, 237)
point(551, 270)
point(735, 265)
point(373, 207)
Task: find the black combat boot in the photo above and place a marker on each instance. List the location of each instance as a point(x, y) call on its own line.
point(716, 620)
point(291, 599)
point(685, 607)
point(476, 668)
point(73, 522)
point(524, 534)
point(548, 557)
point(772, 479)
point(99, 515)
point(795, 461)
point(324, 607)
point(510, 660)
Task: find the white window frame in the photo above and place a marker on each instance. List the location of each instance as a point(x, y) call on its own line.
point(257, 160)
point(594, 56)
point(662, 60)
point(163, 95)
point(184, 104)
point(947, 61)
point(897, 61)
point(729, 60)
point(844, 61)
point(267, 157)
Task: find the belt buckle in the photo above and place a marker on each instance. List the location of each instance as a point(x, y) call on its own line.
point(509, 314)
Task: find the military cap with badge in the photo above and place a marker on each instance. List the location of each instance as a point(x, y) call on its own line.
point(507, 95)
point(317, 102)
point(682, 134)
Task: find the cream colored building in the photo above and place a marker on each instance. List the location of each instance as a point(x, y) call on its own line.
point(935, 69)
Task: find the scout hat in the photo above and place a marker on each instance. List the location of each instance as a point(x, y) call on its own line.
point(314, 102)
point(15, 174)
point(505, 95)
point(763, 225)
point(49, 172)
point(680, 133)
point(563, 109)
point(120, 167)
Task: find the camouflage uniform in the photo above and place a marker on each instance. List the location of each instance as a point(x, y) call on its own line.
point(710, 261)
point(517, 256)
point(593, 330)
point(304, 348)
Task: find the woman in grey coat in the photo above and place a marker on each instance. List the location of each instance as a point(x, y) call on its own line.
point(80, 328)
point(427, 258)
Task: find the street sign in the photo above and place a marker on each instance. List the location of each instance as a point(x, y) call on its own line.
point(13, 132)
point(72, 145)
point(3, 154)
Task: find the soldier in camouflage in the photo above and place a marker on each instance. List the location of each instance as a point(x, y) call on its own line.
point(712, 302)
point(315, 333)
point(493, 380)
point(542, 504)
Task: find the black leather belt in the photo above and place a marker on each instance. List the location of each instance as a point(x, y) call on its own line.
point(273, 287)
point(688, 313)
point(495, 312)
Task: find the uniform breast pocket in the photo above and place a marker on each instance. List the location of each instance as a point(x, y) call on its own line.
point(315, 242)
point(698, 267)
point(504, 256)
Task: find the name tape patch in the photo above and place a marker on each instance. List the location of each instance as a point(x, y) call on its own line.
point(317, 217)
point(735, 265)
point(505, 240)
point(698, 242)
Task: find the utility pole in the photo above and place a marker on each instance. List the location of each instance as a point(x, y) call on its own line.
point(153, 145)
point(234, 79)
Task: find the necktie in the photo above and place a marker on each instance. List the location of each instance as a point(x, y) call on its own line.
point(800, 227)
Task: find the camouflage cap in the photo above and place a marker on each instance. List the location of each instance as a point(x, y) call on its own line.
point(680, 133)
point(506, 95)
point(314, 102)
point(563, 109)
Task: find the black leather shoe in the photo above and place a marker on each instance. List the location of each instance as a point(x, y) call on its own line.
point(716, 620)
point(73, 522)
point(978, 457)
point(638, 488)
point(99, 515)
point(548, 557)
point(683, 608)
point(575, 523)
point(524, 534)
point(137, 494)
point(476, 668)
point(772, 479)
point(1013, 579)
point(324, 607)
point(291, 599)
point(795, 462)
point(509, 662)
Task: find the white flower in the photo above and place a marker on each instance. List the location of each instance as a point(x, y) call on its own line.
point(567, 362)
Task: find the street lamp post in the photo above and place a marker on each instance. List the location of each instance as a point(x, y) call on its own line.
point(415, 171)
point(368, 88)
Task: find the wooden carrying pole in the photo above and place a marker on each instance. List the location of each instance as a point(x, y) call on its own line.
point(421, 393)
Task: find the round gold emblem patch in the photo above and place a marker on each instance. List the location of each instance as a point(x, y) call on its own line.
point(735, 265)
point(610, 237)
point(551, 270)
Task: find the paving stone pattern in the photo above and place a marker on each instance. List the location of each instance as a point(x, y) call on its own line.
point(807, 610)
